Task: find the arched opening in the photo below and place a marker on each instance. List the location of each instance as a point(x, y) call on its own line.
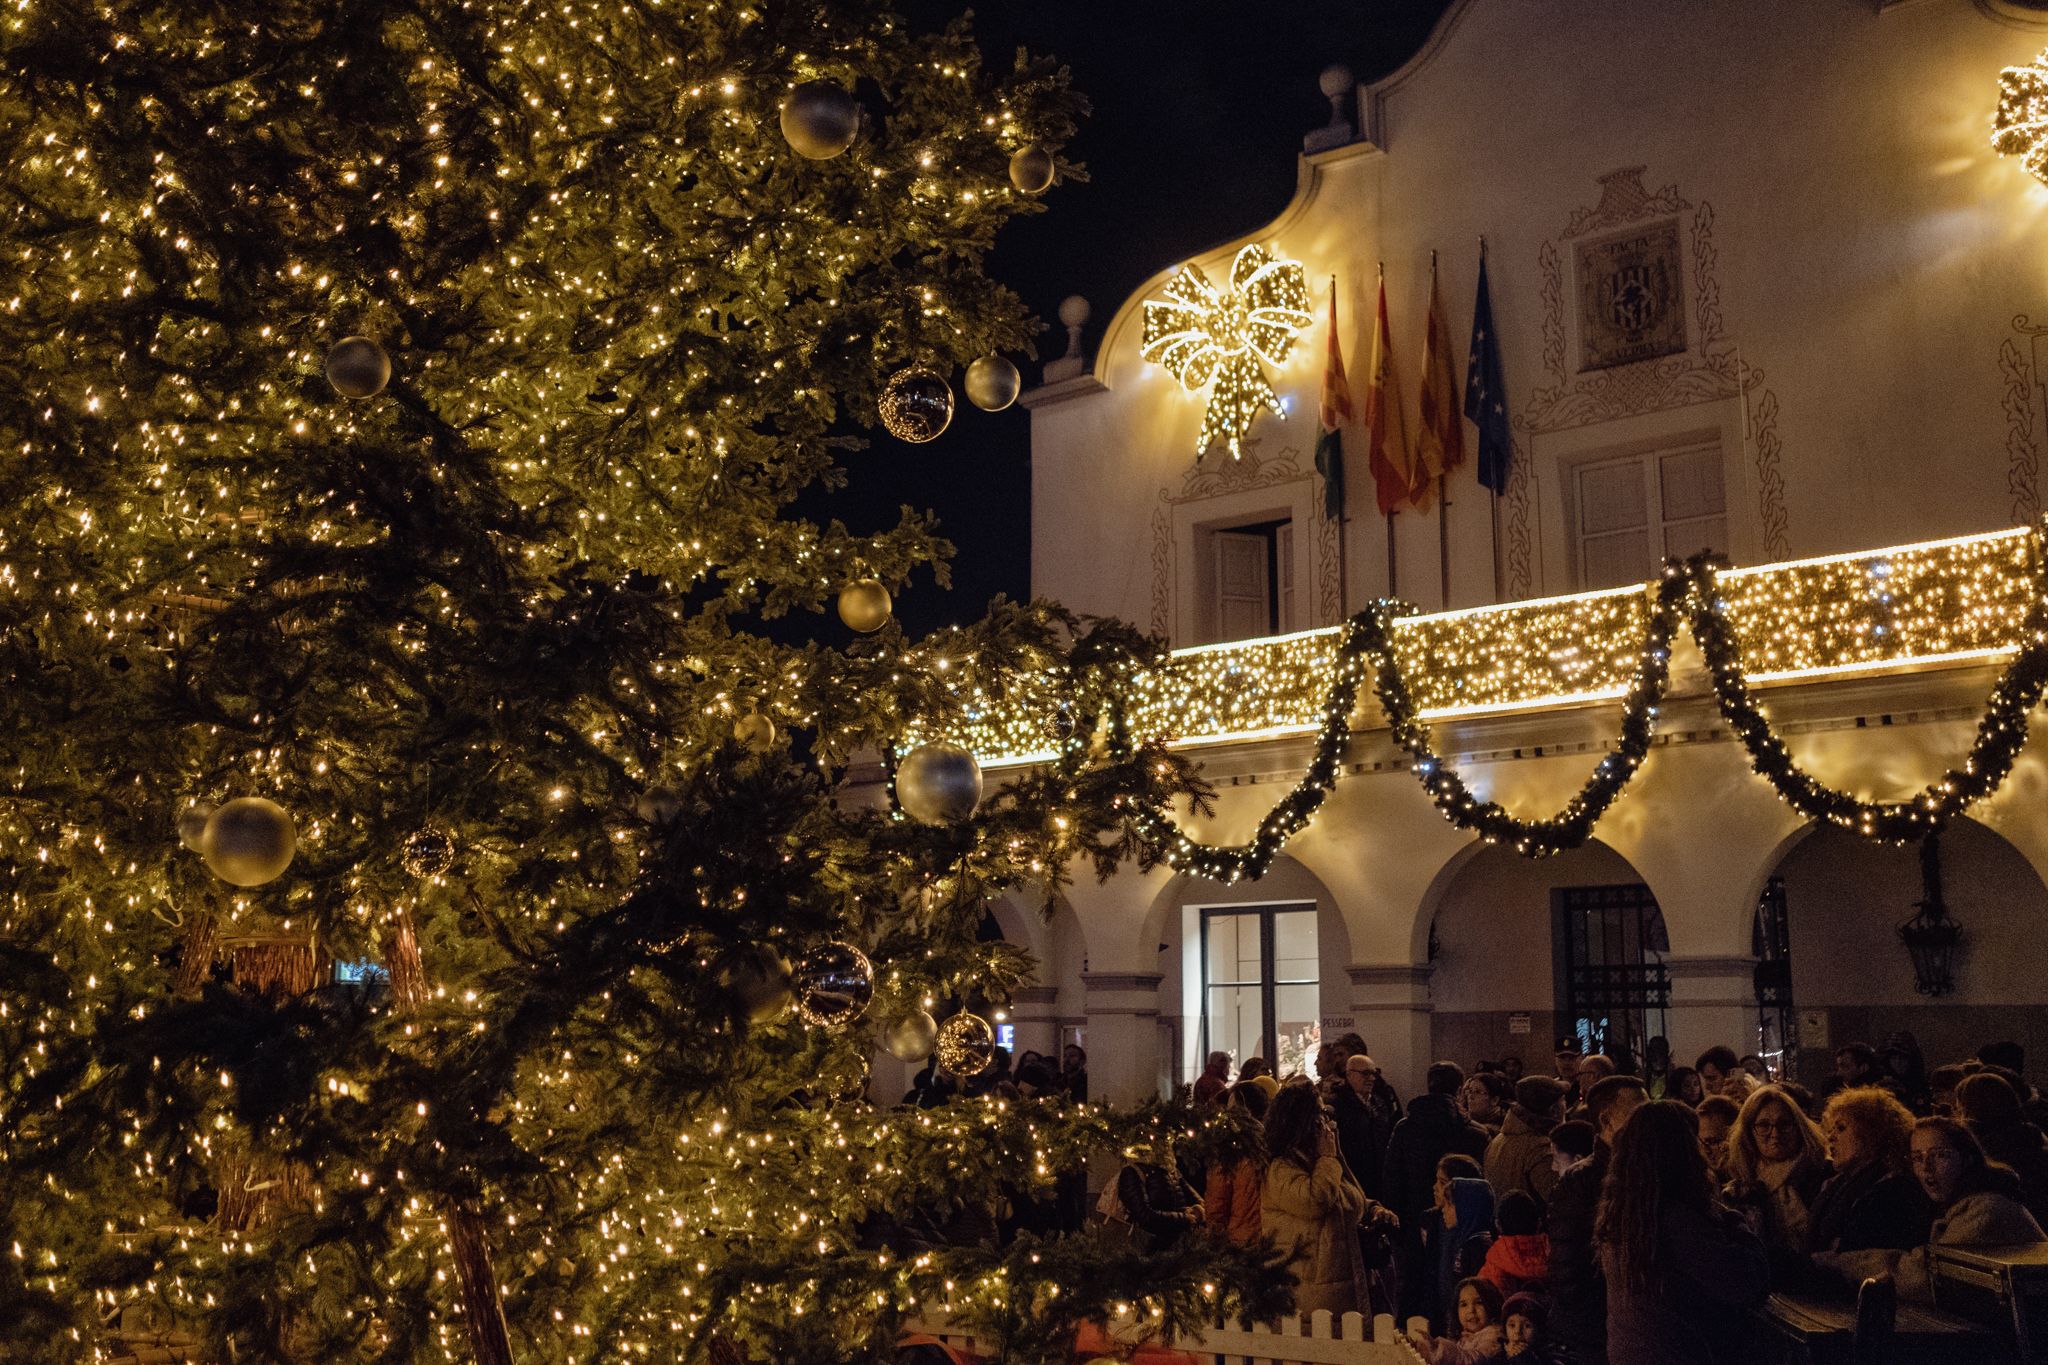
point(1250, 969)
point(1525, 953)
point(1848, 977)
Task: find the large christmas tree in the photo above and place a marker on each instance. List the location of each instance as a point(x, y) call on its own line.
point(499, 1066)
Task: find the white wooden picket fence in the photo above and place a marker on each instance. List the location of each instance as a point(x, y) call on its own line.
point(1318, 1340)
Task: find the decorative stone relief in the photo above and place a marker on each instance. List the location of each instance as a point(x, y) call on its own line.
point(1708, 369)
point(2022, 436)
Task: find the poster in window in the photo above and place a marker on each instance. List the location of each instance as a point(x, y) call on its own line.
point(1631, 303)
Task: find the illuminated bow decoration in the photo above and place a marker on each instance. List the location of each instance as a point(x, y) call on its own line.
point(1205, 337)
point(2020, 127)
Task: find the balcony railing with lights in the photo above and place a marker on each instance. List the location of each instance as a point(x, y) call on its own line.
point(1908, 606)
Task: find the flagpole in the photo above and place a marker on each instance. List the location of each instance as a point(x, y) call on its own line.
point(1443, 505)
point(1393, 563)
point(1499, 590)
point(1344, 508)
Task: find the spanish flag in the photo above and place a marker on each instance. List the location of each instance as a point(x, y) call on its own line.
point(1392, 461)
point(1335, 413)
point(1442, 446)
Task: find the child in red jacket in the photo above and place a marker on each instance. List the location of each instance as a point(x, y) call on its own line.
point(1519, 1259)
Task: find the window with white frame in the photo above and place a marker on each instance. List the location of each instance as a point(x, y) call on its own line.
point(1260, 991)
point(1253, 582)
point(1630, 512)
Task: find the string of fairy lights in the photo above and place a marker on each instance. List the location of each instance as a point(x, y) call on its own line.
point(1975, 597)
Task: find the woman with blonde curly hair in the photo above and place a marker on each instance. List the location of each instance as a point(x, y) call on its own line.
point(1777, 1163)
point(1872, 1201)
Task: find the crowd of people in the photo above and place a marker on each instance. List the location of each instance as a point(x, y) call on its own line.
point(1622, 1210)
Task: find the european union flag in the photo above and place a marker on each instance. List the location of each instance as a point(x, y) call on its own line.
point(1486, 393)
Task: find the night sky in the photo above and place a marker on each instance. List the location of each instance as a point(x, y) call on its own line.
point(1199, 112)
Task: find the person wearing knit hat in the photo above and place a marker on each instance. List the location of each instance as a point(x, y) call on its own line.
point(1522, 1322)
point(1519, 1157)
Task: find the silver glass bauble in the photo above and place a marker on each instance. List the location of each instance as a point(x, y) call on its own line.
point(864, 605)
point(758, 980)
point(755, 732)
point(917, 404)
point(938, 784)
point(357, 367)
point(1031, 169)
point(249, 841)
point(192, 823)
point(820, 119)
point(992, 383)
point(911, 1038)
point(834, 983)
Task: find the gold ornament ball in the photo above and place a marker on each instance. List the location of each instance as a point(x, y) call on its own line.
point(917, 405)
point(966, 1045)
point(820, 120)
point(192, 824)
point(249, 841)
point(759, 981)
point(358, 368)
point(993, 383)
point(864, 605)
point(834, 984)
point(938, 784)
point(1031, 169)
point(911, 1038)
point(755, 732)
point(429, 851)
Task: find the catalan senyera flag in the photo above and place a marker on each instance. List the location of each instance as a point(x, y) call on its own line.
point(1336, 411)
point(1389, 454)
point(1441, 447)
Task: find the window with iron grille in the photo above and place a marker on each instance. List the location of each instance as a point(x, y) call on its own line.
point(1777, 1022)
point(1610, 957)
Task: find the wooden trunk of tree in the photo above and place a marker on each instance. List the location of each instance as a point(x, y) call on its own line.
point(489, 1338)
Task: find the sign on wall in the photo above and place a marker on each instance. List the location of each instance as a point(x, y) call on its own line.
point(1631, 298)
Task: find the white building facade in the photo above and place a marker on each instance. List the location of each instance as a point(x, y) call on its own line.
point(1761, 286)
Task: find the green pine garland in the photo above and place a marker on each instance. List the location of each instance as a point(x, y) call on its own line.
point(1688, 593)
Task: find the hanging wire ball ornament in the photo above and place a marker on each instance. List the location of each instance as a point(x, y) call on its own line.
point(911, 1038)
point(249, 841)
point(1061, 723)
point(820, 120)
point(357, 367)
point(429, 851)
point(993, 383)
point(966, 1045)
point(864, 605)
point(917, 405)
point(834, 984)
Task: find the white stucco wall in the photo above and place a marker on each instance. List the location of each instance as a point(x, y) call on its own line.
point(1854, 257)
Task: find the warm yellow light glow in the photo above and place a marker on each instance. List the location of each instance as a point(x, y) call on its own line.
point(1929, 604)
point(2020, 127)
point(1215, 339)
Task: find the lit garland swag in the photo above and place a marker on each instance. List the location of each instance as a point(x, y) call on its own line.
point(1688, 594)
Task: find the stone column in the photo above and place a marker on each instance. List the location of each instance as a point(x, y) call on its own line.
point(1713, 1000)
point(1123, 1036)
point(1035, 1012)
point(1390, 1009)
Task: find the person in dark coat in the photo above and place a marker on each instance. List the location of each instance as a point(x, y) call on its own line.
point(1681, 1270)
point(1578, 1290)
point(1160, 1205)
point(1433, 1130)
point(1994, 1113)
point(1363, 1128)
point(1872, 1200)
